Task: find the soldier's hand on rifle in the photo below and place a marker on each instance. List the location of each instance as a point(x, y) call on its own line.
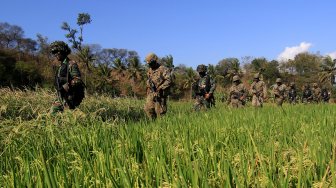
point(208, 95)
point(66, 87)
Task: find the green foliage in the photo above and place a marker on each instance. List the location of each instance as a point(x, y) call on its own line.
point(7, 67)
point(119, 72)
point(27, 74)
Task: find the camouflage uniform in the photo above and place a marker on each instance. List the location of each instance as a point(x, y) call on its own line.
point(158, 85)
point(307, 94)
point(279, 91)
point(316, 93)
point(292, 93)
point(237, 93)
point(258, 91)
point(203, 89)
point(70, 88)
point(325, 95)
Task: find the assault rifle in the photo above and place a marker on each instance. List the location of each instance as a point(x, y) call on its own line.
point(152, 86)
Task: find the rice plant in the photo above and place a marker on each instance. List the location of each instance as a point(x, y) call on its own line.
point(110, 143)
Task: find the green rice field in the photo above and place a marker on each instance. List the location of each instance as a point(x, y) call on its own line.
point(110, 143)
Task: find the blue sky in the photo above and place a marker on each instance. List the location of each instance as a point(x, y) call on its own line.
point(193, 31)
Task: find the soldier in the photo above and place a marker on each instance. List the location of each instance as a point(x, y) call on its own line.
point(307, 95)
point(237, 93)
point(316, 93)
point(279, 91)
point(292, 93)
point(70, 88)
point(258, 91)
point(203, 89)
point(325, 94)
point(158, 85)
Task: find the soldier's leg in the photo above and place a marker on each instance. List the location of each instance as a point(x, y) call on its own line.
point(198, 103)
point(161, 106)
point(260, 102)
point(240, 104)
point(150, 106)
point(254, 101)
point(207, 103)
point(279, 101)
point(56, 107)
point(234, 103)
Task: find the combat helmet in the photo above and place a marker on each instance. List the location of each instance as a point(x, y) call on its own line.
point(314, 84)
point(235, 78)
point(151, 57)
point(201, 68)
point(278, 80)
point(256, 76)
point(59, 46)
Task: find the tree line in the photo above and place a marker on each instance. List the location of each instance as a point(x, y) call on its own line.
point(27, 63)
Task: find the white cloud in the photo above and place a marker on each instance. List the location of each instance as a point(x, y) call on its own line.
point(332, 55)
point(291, 52)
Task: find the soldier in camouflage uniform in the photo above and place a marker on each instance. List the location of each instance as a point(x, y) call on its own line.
point(325, 94)
point(70, 88)
point(307, 94)
point(258, 91)
point(316, 93)
point(292, 93)
point(237, 93)
point(279, 91)
point(203, 89)
point(158, 85)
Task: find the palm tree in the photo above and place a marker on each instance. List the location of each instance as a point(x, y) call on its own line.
point(233, 70)
point(189, 78)
point(168, 61)
point(328, 71)
point(134, 69)
point(211, 70)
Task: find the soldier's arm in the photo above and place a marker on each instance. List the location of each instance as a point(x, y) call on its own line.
point(264, 90)
point(74, 70)
point(147, 83)
point(167, 80)
point(285, 91)
point(275, 91)
point(245, 92)
point(231, 92)
point(252, 89)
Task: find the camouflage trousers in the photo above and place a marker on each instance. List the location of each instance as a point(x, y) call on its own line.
point(236, 103)
point(155, 106)
point(292, 101)
point(257, 101)
point(201, 103)
point(316, 100)
point(279, 101)
point(306, 101)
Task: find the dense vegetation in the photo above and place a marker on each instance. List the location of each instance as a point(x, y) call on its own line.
point(109, 142)
point(26, 62)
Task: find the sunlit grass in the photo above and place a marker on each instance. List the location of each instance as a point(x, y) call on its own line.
point(109, 142)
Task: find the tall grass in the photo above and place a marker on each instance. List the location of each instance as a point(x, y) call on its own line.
point(109, 142)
